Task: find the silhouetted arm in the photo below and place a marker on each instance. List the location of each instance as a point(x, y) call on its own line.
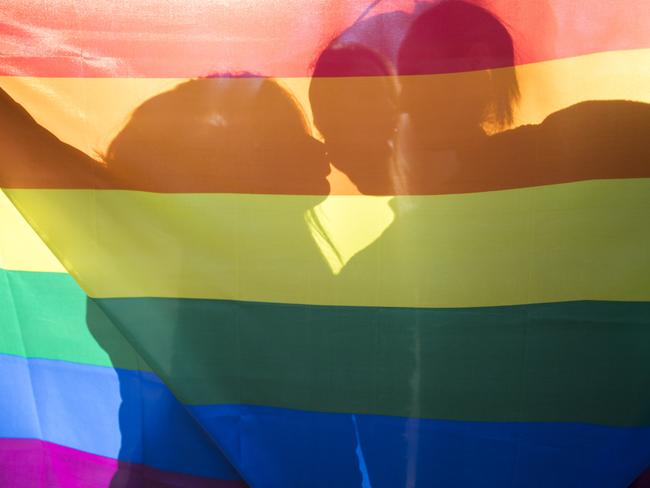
point(32, 157)
point(586, 141)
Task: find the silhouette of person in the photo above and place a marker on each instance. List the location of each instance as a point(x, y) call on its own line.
point(221, 134)
point(254, 138)
point(259, 126)
point(357, 116)
point(354, 97)
point(458, 92)
point(222, 143)
point(454, 140)
point(460, 44)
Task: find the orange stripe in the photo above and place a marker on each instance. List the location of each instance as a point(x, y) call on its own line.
point(590, 141)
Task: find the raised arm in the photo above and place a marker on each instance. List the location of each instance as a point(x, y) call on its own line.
point(32, 157)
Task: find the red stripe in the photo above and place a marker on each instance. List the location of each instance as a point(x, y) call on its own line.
point(94, 38)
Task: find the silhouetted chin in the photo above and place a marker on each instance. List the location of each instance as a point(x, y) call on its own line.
point(321, 188)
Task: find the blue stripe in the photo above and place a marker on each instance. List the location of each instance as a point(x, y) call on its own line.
point(117, 413)
point(77, 406)
point(280, 447)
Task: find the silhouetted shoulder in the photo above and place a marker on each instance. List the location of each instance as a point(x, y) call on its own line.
point(603, 114)
point(610, 137)
point(511, 159)
point(589, 140)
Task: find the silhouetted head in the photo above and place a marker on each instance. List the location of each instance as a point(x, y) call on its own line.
point(354, 101)
point(460, 58)
point(228, 134)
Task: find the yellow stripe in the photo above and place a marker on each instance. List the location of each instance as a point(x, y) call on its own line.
point(20, 247)
point(579, 241)
point(88, 112)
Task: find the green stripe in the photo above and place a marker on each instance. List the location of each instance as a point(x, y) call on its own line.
point(573, 361)
point(47, 315)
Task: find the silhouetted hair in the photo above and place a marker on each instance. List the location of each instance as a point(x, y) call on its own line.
point(209, 118)
point(455, 36)
point(341, 59)
point(345, 59)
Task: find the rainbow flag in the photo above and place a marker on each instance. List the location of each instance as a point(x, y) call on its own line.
point(326, 243)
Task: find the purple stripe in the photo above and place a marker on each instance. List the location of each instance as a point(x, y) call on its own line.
point(30, 463)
